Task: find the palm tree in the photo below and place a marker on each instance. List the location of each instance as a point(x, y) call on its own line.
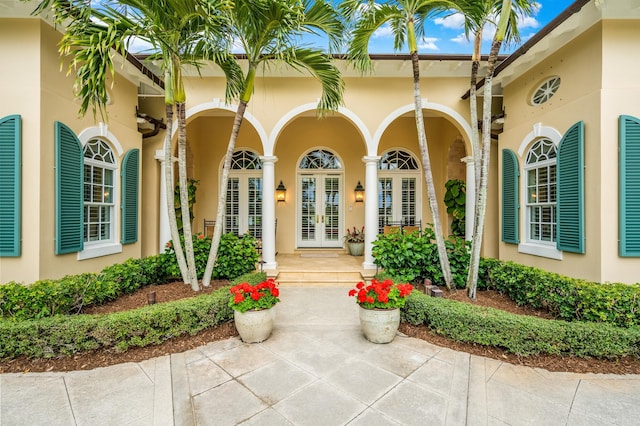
point(406, 19)
point(175, 29)
point(271, 30)
point(477, 14)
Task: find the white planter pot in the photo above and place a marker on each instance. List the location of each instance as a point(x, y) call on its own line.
point(379, 325)
point(254, 326)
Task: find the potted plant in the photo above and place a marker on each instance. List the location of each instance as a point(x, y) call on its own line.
point(380, 304)
point(355, 241)
point(253, 309)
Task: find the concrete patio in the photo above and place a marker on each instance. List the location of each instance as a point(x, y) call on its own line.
point(318, 369)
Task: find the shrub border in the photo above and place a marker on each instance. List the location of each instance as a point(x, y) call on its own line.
point(149, 325)
point(519, 334)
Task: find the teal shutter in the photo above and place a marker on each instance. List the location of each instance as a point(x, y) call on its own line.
point(629, 200)
point(570, 191)
point(69, 191)
point(510, 197)
point(129, 202)
point(10, 185)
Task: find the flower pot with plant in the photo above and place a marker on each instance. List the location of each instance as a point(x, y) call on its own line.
point(380, 304)
point(355, 241)
point(254, 311)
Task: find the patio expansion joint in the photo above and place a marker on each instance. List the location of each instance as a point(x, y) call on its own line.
point(66, 391)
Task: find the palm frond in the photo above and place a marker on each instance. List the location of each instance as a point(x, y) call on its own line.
point(321, 66)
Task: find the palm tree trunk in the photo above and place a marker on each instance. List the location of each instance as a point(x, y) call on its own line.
point(222, 196)
point(481, 203)
point(428, 175)
point(184, 195)
point(168, 179)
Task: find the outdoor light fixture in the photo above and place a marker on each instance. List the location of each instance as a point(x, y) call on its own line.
point(281, 193)
point(359, 193)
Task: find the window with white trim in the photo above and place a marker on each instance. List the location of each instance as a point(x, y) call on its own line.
point(540, 184)
point(545, 91)
point(244, 195)
point(398, 189)
point(99, 199)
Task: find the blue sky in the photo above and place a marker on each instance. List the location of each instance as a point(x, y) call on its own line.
point(443, 35)
point(447, 35)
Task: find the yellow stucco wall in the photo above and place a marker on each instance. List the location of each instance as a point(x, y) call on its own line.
point(599, 83)
point(44, 97)
point(620, 96)
point(20, 94)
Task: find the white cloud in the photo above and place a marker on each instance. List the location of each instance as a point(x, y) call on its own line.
point(455, 21)
point(137, 45)
point(428, 43)
point(383, 32)
point(460, 39)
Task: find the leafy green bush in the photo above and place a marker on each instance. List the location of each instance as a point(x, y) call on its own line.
point(236, 256)
point(413, 257)
point(567, 298)
point(521, 335)
point(71, 293)
point(65, 335)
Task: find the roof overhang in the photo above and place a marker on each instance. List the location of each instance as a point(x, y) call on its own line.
point(569, 24)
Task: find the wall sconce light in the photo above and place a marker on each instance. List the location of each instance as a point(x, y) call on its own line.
point(281, 193)
point(359, 193)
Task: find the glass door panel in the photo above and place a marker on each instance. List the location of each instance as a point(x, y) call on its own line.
point(319, 210)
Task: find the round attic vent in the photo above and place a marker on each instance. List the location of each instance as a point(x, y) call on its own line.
point(545, 91)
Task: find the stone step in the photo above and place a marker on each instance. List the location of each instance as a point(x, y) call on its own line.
point(318, 279)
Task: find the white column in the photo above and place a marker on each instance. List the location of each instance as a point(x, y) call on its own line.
point(164, 231)
point(370, 209)
point(470, 206)
point(268, 213)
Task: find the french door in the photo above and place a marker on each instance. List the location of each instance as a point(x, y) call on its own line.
point(319, 210)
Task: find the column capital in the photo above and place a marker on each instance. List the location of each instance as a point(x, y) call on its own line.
point(268, 158)
point(371, 158)
point(468, 159)
point(159, 155)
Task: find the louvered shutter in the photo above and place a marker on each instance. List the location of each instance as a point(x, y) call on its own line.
point(510, 197)
point(629, 135)
point(129, 202)
point(10, 185)
point(570, 194)
point(69, 191)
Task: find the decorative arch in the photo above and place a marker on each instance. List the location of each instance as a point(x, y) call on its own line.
point(350, 115)
point(426, 105)
point(539, 131)
point(101, 132)
point(217, 103)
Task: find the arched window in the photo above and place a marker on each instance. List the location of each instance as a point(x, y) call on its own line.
point(99, 186)
point(540, 184)
point(244, 195)
point(398, 189)
point(320, 159)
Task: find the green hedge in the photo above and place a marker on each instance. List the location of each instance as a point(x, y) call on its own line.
point(65, 335)
point(567, 298)
point(521, 335)
point(71, 293)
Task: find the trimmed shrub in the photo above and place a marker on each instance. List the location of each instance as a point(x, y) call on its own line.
point(71, 293)
point(66, 335)
point(567, 298)
point(521, 335)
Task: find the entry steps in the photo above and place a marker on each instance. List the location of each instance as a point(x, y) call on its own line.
point(318, 279)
